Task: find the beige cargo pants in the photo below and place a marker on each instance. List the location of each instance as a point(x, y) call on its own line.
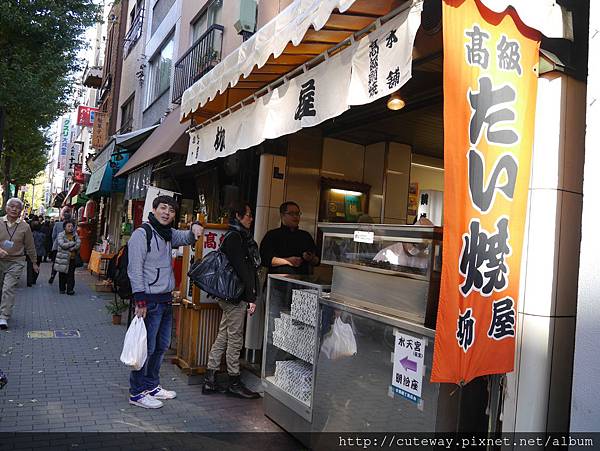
point(10, 273)
point(230, 337)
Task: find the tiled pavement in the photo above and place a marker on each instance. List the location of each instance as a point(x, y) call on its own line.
point(79, 385)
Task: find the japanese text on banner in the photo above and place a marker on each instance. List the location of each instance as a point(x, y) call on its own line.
point(490, 80)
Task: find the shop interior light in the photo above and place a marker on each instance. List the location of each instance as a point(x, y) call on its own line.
point(427, 166)
point(395, 102)
point(346, 192)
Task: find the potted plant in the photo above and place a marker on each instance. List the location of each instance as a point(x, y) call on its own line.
point(115, 308)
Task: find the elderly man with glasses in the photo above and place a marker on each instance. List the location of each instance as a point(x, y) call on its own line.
point(16, 240)
point(287, 249)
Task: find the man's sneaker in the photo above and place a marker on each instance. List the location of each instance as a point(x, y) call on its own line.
point(3, 324)
point(161, 393)
point(146, 401)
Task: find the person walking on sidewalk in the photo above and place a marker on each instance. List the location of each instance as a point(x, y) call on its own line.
point(242, 252)
point(46, 229)
point(152, 280)
point(64, 262)
point(39, 239)
point(56, 230)
point(16, 241)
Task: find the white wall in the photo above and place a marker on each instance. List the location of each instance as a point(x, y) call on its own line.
point(585, 403)
point(538, 392)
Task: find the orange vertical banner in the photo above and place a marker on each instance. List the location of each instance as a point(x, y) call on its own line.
point(490, 83)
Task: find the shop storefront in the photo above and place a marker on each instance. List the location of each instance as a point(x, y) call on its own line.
point(362, 141)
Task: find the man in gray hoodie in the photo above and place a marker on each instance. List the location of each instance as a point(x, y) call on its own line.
point(152, 282)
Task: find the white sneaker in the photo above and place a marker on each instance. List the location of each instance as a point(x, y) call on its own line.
point(3, 324)
point(161, 393)
point(146, 401)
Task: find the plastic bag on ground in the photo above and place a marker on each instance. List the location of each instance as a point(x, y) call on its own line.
point(340, 342)
point(135, 348)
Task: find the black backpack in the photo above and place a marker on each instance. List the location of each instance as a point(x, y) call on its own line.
point(117, 268)
point(215, 276)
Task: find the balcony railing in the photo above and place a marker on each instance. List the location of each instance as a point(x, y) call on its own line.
point(134, 33)
point(201, 57)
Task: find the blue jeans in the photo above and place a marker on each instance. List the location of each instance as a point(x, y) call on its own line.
point(159, 317)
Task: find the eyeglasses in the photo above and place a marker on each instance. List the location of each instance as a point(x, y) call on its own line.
point(295, 214)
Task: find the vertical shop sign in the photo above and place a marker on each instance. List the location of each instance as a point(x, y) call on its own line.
point(100, 130)
point(72, 159)
point(64, 143)
point(382, 61)
point(490, 82)
point(407, 377)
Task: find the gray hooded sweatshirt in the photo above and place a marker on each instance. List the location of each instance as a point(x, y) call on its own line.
point(151, 273)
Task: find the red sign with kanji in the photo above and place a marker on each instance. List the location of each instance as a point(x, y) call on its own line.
point(86, 115)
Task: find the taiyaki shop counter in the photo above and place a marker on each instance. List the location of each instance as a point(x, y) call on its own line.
point(355, 355)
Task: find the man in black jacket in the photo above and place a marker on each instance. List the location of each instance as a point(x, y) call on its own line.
point(242, 252)
point(287, 249)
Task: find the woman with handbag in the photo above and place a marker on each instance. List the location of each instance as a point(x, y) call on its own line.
point(242, 252)
point(68, 244)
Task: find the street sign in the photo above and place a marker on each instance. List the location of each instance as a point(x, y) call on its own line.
point(407, 377)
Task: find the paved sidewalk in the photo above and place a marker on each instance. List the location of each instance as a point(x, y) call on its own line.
point(79, 385)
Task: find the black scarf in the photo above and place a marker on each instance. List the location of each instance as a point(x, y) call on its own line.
point(165, 232)
point(253, 253)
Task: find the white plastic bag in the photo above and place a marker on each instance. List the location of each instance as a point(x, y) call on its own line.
point(340, 342)
point(135, 348)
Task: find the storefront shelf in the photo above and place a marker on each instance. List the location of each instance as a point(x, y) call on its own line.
point(299, 407)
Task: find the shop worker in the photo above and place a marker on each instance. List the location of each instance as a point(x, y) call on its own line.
point(287, 249)
point(152, 282)
point(413, 255)
point(16, 241)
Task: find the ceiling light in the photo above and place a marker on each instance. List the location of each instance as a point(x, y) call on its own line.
point(395, 102)
point(346, 192)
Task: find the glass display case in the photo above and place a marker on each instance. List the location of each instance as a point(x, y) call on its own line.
point(403, 263)
point(290, 346)
point(411, 251)
point(360, 388)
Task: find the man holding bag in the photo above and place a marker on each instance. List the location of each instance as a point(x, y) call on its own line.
point(152, 281)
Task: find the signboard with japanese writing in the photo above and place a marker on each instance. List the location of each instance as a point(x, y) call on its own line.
point(86, 115)
point(100, 130)
point(382, 62)
point(361, 73)
point(490, 84)
point(64, 143)
point(72, 159)
point(407, 377)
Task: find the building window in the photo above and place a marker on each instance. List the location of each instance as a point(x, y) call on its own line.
point(160, 72)
point(210, 16)
point(127, 115)
point(159, 12)
point(136, 20)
